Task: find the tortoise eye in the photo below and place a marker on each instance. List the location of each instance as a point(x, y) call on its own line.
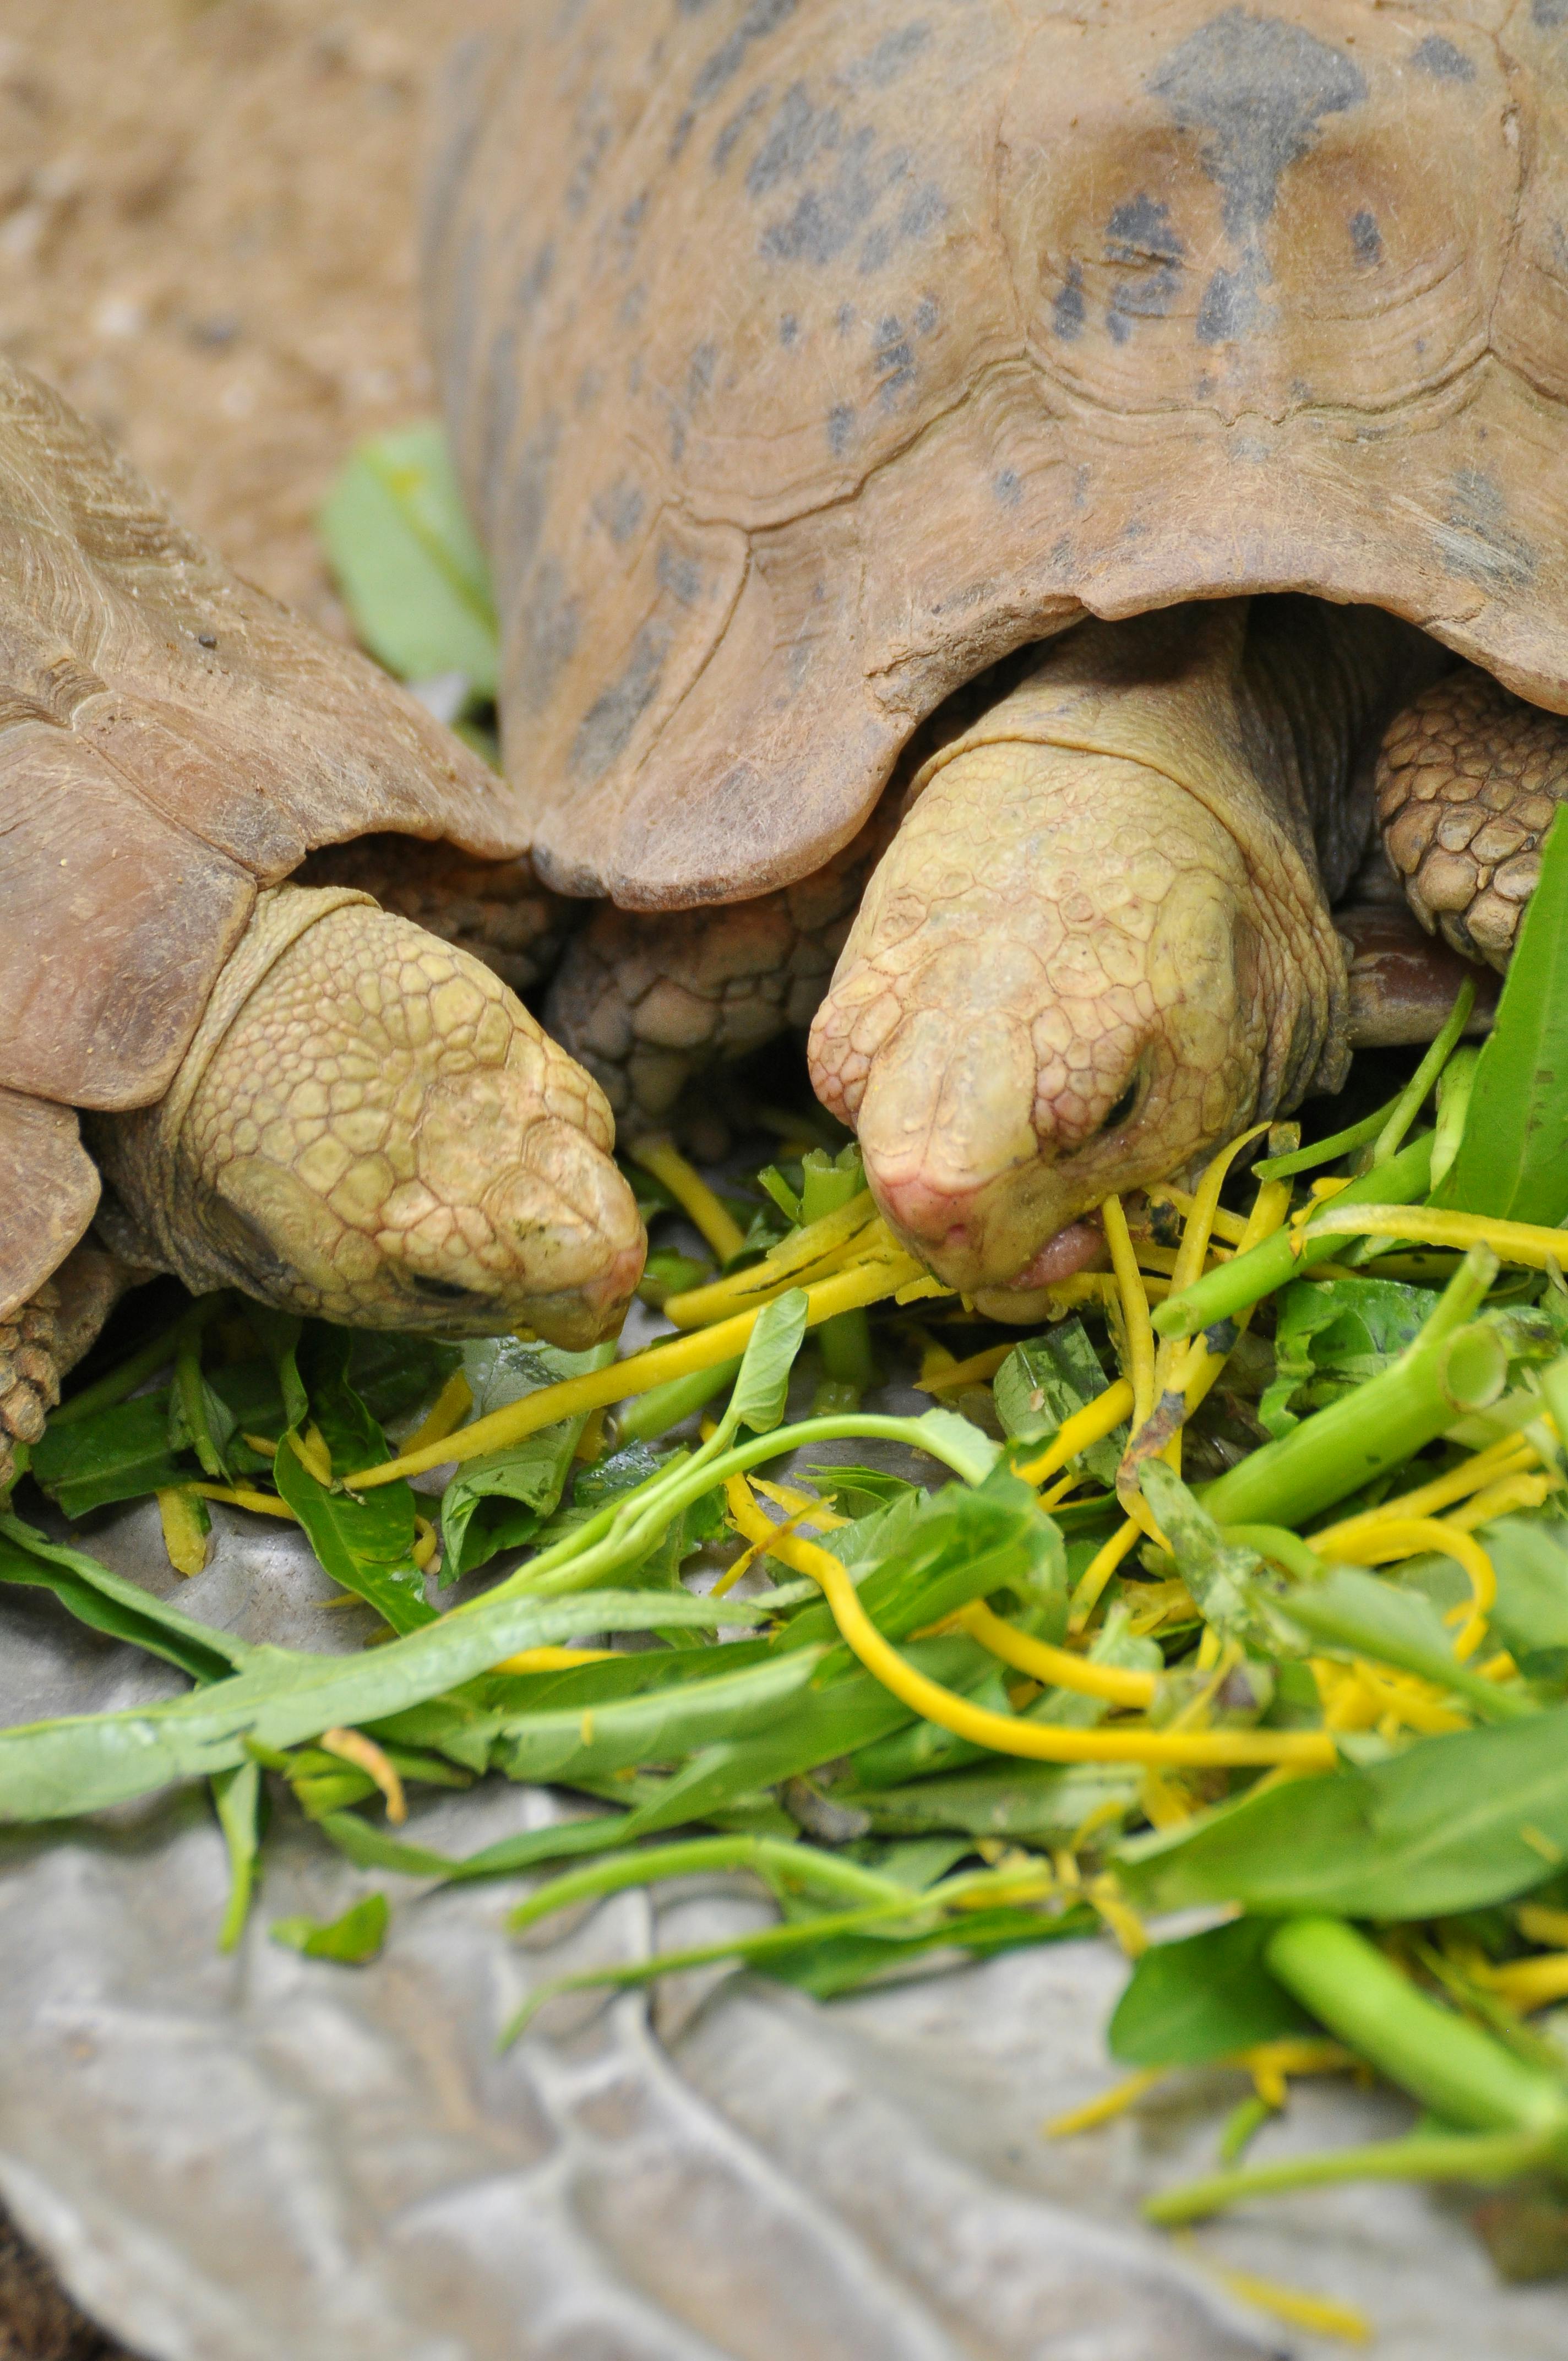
point(1122, 1110)
point(442, 1291)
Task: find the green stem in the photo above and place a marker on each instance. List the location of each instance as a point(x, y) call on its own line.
point(1454, 1094)
point(1243, 2125)
point(1478, 2157)
point(1246, 1278)
point(845, 1344)
point(122, 1382)
point(1463, 2075)
point(775, 1860)
point(649, 1415)
point(1325, 1151)
point(1275, 1541)
point(1378, 1426)
point(622, 1534)
point(1412, 1098)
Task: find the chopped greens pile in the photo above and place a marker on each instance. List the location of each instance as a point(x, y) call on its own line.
point(1242, 1587)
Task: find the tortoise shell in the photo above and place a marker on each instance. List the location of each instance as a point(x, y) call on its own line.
point(170, 740)
point(806, 356)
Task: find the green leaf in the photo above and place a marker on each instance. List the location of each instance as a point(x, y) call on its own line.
point(353, 1940)
point(393, 1373)
point(1395, 1625)
point(1452, 1824)
point(1513, 1159)
point(963, 1447)
point(1192, 2002)
point(364, 1541)
point(239, 1799)
point(1332, 1334)
point(119, 1454)
point(107, 1602)
point(281, 1333)
point(501, 1499)
point(1044, 1380)
point(408, 566)
point(284, 1698)
point(761, 1388)
point(1529, 1558)
point(1227, 1581)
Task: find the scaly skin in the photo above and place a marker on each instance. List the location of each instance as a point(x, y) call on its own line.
point(1100, 942)
point(371, 1128)
point(1017, 967)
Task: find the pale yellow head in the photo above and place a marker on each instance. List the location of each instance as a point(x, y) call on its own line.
point(371, 1128)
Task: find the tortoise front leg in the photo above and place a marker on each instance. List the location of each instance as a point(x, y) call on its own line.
point(1469, 777)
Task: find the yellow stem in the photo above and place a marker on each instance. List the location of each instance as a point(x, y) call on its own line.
point(240, 1496)
point(1100, 1569)
point(856, 1228)
point(1401, 1537)
point(676, 1357)
point(552, 1660)
point(1507, 1457)
point(1092, 1425)
point(446, 1414)
point(1137, 1332)
point(1055, 1667)
point(1521, 1243)
point(1110, 2103)
point(353, 1746)
point(662, 1159)
point(1035, 1740)
point(972, 1372)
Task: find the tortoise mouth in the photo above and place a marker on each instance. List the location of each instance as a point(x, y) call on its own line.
point(1079, 1246)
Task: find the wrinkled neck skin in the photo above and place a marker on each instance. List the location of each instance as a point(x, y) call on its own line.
point(1100, 944)
point(370, 1126)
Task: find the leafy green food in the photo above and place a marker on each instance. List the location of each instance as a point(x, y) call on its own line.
point(501, 1499)
point(364, 1541)
point(1513, 1159)
point(354, 1939)
point(1045, 1380)
point(410, 570)
point(1331, 1335)
point(1454, 1823)
point(1193, 2001)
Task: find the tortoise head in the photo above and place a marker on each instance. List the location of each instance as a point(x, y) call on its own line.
point(1069, 976)
point(371, 1128)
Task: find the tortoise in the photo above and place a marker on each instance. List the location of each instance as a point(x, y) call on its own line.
point(273, 1084)
point(989, 506)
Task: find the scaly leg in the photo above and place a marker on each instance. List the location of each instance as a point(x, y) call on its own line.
point(645, 1002)
point(1468, 780)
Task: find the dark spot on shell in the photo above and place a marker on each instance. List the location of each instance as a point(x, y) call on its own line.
point(721, 65)
point(1204, 388)
point(1439, 58)
point(1479, 541)
point(844, 318)
point(1365, 237)
point(1231, 308)
point(206, 638)
point(628, 310)
point(679, 575)
point(894, 360)
point(619, 509)
point(926, 315)
point(608, 725)
point(1140, 241)
point(1007, 488)
point(840, 426)
point(789, 328)
point(798, 134)
point(893, 55)
point(1548, 15)
point(1256, 89)
point(699, 375)
point(586, 170)
point(537, 277)
point(724, 146)
point(1067, 306)
point(546, 638)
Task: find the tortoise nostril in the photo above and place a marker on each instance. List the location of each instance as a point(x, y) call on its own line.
point(1124, 1108)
